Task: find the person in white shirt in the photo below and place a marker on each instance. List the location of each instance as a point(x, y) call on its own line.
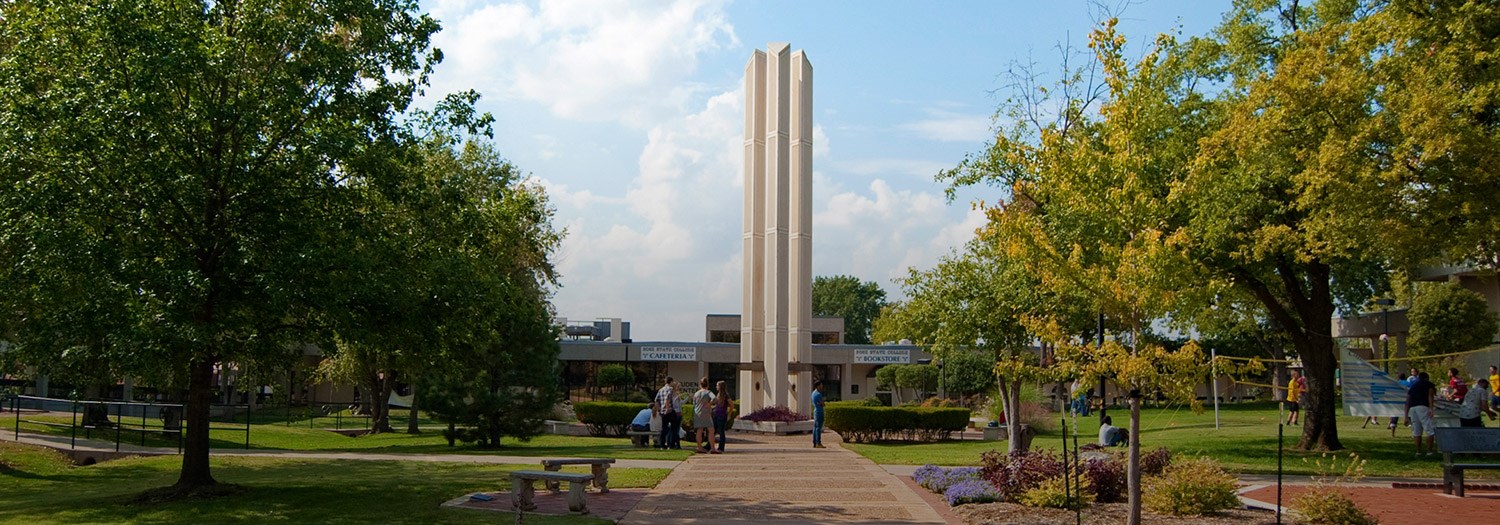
point(1476, 402)
point(1109, 434)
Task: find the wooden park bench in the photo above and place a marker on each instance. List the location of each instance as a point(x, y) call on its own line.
point(523, 492)
point(600, 467)
point(1466, 441)
point(641, 438)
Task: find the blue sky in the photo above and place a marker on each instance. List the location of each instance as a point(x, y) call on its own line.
point(630, 114)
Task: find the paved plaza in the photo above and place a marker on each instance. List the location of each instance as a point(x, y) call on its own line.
point(781, 479)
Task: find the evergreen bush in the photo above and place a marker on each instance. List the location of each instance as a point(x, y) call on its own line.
point(869, 423)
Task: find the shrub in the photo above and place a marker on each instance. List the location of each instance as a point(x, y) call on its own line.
point(938, 479)
point(971, 491)
point(1156, 461)
point(1191, 488)
point(1014, 474)
point(1326, 506)
point(607, 418)
point(615, 376)
point(1107, 477)
point(1055, 494)
point(773, 413)
point(939, 402)
point(867, 423)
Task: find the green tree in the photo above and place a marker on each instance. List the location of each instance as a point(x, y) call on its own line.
point(1448, 319)
point(967, 373)
point(859, 303)
point(615, 377)
point(923, 379)
point(976, 301)
point(177, 174)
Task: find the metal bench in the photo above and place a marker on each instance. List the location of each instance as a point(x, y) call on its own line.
point(523, 492)
point(599, 466)
point(641, 438)
point(1465, 441)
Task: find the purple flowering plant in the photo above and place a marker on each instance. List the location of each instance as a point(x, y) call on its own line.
point(938, 479)
point(971, 491)
point(775, 413)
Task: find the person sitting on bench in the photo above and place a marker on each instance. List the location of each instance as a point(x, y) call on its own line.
point(642, 421)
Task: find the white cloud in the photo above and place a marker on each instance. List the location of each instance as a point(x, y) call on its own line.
point(598, 61)
point(922, 169)
point(947, 126)
point(672, 255)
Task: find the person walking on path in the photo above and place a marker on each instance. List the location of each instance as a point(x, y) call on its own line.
point(1476, 402)
point(817, 403)
point(1457, 388)
point(1294, 388)
point(671, 415)
point(1419, 412)
point(722, 404)
point(703, 417)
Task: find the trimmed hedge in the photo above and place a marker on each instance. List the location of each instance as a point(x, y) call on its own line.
point(607, 418)
point(865, 424)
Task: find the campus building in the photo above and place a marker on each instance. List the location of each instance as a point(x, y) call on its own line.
point(847, 371)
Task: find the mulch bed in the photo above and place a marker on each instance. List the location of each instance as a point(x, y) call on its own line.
point(1013, 514)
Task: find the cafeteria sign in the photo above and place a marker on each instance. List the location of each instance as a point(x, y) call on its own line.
point(669, 353)
point(881, 356)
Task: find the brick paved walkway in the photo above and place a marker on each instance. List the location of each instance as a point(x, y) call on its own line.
point(781, 479)
point(1391, 505)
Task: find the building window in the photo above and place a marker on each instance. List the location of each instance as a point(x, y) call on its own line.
point(825, 338)
point(724, 336)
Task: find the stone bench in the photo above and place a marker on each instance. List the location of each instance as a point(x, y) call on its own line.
point(523, 492)
point(1466, 441)
point(600, 467)
point(641, 438)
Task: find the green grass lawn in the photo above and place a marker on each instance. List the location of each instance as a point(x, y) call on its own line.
point(280, 436)
point(1245, 443)
point(40, 487)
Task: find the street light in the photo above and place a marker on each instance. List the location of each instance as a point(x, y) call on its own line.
point(1385, 333)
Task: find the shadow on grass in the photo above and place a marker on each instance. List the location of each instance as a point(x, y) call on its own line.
point(275, 491)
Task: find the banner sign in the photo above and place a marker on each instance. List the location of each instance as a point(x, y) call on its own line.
point(881, 356)
point(1368, 391)
point(669, 353)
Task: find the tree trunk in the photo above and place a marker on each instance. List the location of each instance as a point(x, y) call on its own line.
point(380, 403)
point(1133, 472)
point(1010, 392)
point(1319, 412)
point(195, 472)
point(411, 417)
point(1308, 322)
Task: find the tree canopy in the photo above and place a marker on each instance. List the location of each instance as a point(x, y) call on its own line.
point(195, 185)
point(859, 303)
point(1448, 319)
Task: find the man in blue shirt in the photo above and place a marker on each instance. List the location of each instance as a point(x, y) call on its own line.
point(642, 421)
point(817, 403)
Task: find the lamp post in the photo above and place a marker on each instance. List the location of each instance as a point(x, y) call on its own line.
point(1385, 333)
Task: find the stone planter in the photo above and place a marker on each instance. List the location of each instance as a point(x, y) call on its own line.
point(774, 427)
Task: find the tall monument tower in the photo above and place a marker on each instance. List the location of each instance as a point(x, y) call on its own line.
point(775, 326)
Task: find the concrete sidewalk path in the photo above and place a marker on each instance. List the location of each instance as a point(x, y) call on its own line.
point(61, 443)
point(781, 479)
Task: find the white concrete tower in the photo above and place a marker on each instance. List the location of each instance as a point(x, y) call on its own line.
point(799, 298)
point(774, 328)
point(752, 316)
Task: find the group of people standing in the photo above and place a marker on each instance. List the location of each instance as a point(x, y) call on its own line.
point(712, 411)
point(1422, 394)
point(711, 414)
